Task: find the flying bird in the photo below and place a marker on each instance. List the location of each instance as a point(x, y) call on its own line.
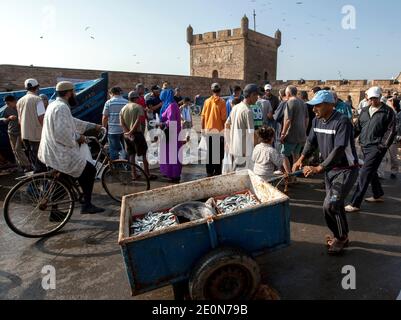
point(92, 37)
point(87, 28)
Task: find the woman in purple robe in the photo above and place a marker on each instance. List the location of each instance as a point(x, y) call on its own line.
point(170, 159)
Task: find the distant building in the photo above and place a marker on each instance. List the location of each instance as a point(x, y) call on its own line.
point(241, 54)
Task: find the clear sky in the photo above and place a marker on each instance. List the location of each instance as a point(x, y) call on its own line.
point(150, 36)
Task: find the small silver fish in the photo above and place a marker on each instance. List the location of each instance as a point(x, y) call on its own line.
point(235, 203)
point(153, 222)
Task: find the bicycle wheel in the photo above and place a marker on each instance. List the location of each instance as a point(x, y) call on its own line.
point(117, 180)
point(38, 207)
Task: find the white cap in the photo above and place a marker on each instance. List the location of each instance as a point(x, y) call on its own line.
point(383, 99)
point(374, 92)
point(268, 87)
point(31, 83)
point(215, 86)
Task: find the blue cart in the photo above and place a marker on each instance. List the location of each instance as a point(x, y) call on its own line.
point(212, 258)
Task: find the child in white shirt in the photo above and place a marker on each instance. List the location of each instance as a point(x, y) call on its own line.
point(266, 158)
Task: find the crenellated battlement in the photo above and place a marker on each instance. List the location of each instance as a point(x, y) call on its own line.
point(222, 35)
point(232, 34)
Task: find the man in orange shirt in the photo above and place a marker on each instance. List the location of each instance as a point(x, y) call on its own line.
point(214, 116)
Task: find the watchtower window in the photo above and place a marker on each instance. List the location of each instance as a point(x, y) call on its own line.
point(215, 74)
point(266, 76)
point(259, 77)
point(230, 57)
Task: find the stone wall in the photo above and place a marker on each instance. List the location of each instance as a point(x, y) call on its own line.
point(355, 88)
point(224, 56)
point(12, 78)
point(261, 57)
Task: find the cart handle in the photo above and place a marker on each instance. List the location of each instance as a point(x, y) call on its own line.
point(279, 178)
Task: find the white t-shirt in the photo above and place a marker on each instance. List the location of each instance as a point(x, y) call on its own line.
point(40, 109)
point(373, 110)
point(267, 160)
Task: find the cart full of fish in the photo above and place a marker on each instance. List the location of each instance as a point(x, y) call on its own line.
point(192, 211)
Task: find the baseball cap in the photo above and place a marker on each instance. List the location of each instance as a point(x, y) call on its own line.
point(43, 97)
point(133, 95)
point(215, 86)
point(64, 86)
point(251, 88)
point(323, 96)
point(268, 87)
point(374, 92)
point(155, 88)
point(31, 83)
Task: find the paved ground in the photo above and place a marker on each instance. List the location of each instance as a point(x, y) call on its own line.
point(89, 264)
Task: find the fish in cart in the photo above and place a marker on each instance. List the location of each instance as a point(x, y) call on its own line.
point(153, 221)
point(237, 202)
point(192, 211)
point(182, 213)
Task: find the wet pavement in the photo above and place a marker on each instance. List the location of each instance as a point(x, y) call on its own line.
point(89, 264)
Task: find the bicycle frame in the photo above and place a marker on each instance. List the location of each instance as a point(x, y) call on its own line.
point(103, 152)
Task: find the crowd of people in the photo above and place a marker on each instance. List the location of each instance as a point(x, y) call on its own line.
point(252, 129)
point(45, 136)
point(290, 132)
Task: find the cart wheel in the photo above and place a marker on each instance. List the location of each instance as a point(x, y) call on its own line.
point(226, 274)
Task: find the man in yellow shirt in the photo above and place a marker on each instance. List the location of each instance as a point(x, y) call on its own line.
point(214, 116)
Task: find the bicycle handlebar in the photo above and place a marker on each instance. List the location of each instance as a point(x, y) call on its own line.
point(100, 139)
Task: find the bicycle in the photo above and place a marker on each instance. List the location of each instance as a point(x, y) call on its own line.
point(116, 176)
point(40, 205)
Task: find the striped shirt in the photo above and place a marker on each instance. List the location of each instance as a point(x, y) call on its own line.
point(331, 134)
point(112, 109)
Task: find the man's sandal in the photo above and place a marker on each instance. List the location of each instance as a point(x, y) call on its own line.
point(338, 247)
point(330, 241)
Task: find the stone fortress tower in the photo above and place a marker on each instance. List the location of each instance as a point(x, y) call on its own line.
point(241, 54)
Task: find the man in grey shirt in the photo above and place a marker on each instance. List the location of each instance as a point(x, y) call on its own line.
point(266, 108)
point(10, 116)
point(293, 134)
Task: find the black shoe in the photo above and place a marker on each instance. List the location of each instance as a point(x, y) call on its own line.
point(57, 216)
point(91, 209)
point(393, 176)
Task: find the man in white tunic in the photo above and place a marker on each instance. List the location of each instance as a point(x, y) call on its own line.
point(62, 136)
point(240, 132)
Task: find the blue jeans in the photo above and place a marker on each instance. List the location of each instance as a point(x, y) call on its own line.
point(116, 144)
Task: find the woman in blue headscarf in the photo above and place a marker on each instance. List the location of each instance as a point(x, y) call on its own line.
point(167, 97)
point(170, 149)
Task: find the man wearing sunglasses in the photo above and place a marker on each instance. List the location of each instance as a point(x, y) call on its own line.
point(376, 128)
